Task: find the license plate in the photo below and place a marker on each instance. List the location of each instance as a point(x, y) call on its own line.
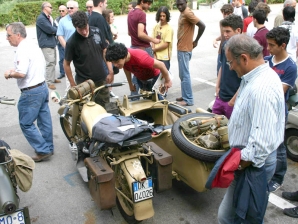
point(142, 190)
point(21, 216)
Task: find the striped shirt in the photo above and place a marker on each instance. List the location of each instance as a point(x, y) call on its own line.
point(258, 119)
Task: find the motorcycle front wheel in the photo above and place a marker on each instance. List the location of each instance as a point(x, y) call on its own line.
point(125, 206)
point(66, 124)
point(291, 143)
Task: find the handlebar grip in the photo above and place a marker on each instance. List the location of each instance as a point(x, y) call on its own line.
point(11, 102)
point(114, 84)
point(66, 109)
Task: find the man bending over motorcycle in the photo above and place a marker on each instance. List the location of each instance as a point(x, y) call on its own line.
point(140, 63)
point(86, 48)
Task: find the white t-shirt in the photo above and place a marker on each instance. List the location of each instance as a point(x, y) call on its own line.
point(238, 11)
point(30, 61)
point(292, 45)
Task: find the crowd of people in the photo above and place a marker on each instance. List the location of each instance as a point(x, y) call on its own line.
point(256, 66)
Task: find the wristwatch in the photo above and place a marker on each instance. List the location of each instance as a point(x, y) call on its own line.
point(240, 167)
point(9, 76)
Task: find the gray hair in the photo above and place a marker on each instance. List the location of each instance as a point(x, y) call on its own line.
point(288, 3)
point(73, 3)
point(18, 27)
point(44, 4)
point(243, 44)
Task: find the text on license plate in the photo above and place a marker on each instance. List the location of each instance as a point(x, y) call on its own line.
point(142, 190)
point(14, 218)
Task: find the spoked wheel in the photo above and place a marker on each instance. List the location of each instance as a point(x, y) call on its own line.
point(125, 206)
point(188, 146)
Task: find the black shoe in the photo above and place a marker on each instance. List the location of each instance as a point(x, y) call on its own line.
point(61, 76)
point(292, 212)
point(292, 196)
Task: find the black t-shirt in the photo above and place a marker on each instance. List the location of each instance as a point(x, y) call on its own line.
point(87, 55)
point(97, 20)
point(229, 82)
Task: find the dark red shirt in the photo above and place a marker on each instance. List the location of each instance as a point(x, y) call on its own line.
point(260, 36)
point(135, 17)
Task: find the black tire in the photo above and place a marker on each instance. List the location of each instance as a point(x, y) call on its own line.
point(190, 148)
point(291, 143)
point(125, 207)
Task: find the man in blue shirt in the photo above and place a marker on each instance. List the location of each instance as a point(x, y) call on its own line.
point(280, 61)
point(227, 80)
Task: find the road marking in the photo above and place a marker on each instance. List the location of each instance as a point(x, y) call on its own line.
point(279, 202)
point(205, 81)
point(68, 180)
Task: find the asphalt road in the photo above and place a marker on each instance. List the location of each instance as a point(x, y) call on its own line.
point(59, 195)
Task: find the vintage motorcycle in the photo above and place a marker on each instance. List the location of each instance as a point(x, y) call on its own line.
point(9, 200)
point(127, 173)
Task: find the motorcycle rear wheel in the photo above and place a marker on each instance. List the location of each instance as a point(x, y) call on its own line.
point(125, 207)
point(291, 143)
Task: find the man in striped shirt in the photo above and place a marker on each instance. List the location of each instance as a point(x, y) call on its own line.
point(257, 122)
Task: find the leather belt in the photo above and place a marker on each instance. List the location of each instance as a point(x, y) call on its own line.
point(32, 87)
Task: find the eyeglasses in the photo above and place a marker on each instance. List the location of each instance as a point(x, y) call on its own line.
point(61, 10)
point(69, 7)
point(50, 7)
point(87, 7)
point(229, 63)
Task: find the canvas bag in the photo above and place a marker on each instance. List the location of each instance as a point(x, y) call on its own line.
point(116, 128)
point(22, 168)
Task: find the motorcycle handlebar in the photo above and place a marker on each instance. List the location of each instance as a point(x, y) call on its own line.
point(114, 84)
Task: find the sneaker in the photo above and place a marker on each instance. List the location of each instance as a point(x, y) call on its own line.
point(112, 95)
point(292, 196)
point(61, 76)
point(292, 212)
point(273, 186)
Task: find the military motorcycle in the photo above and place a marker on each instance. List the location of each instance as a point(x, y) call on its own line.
point(127, 174)
point(10, 212)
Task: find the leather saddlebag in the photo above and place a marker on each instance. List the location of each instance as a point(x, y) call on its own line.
point(161, 169)
point(101, 181)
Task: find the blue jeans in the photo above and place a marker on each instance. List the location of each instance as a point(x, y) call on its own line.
point(184, 75)
point(281, 162)
point(167, 64)
point(33, 106)
point(61, 59)
point(135, 82)
point(226, 211)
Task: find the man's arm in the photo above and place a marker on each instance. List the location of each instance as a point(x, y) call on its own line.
point(201, 30)
point(231, 103)
point(62, 41)
point(215, 44)
point(129, 80)
point(165, 74)
point(67, 69)
point(13, 74)
point(143, 36)
point(160, 47)
point(217, 86)
point(110, 77)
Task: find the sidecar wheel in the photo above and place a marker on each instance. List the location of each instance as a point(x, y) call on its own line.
point(125, 207)
point(190, 148)
point(291, 143)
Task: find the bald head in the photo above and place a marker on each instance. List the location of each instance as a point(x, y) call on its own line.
point(291, 3)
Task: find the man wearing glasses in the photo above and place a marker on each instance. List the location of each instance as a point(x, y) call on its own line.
point(66, 29)
point(227, 80)
point(29, 73)
point(63, 12)
point(46, 32)
point(89, 7)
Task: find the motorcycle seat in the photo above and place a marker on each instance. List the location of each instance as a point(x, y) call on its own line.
point(140, 138)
